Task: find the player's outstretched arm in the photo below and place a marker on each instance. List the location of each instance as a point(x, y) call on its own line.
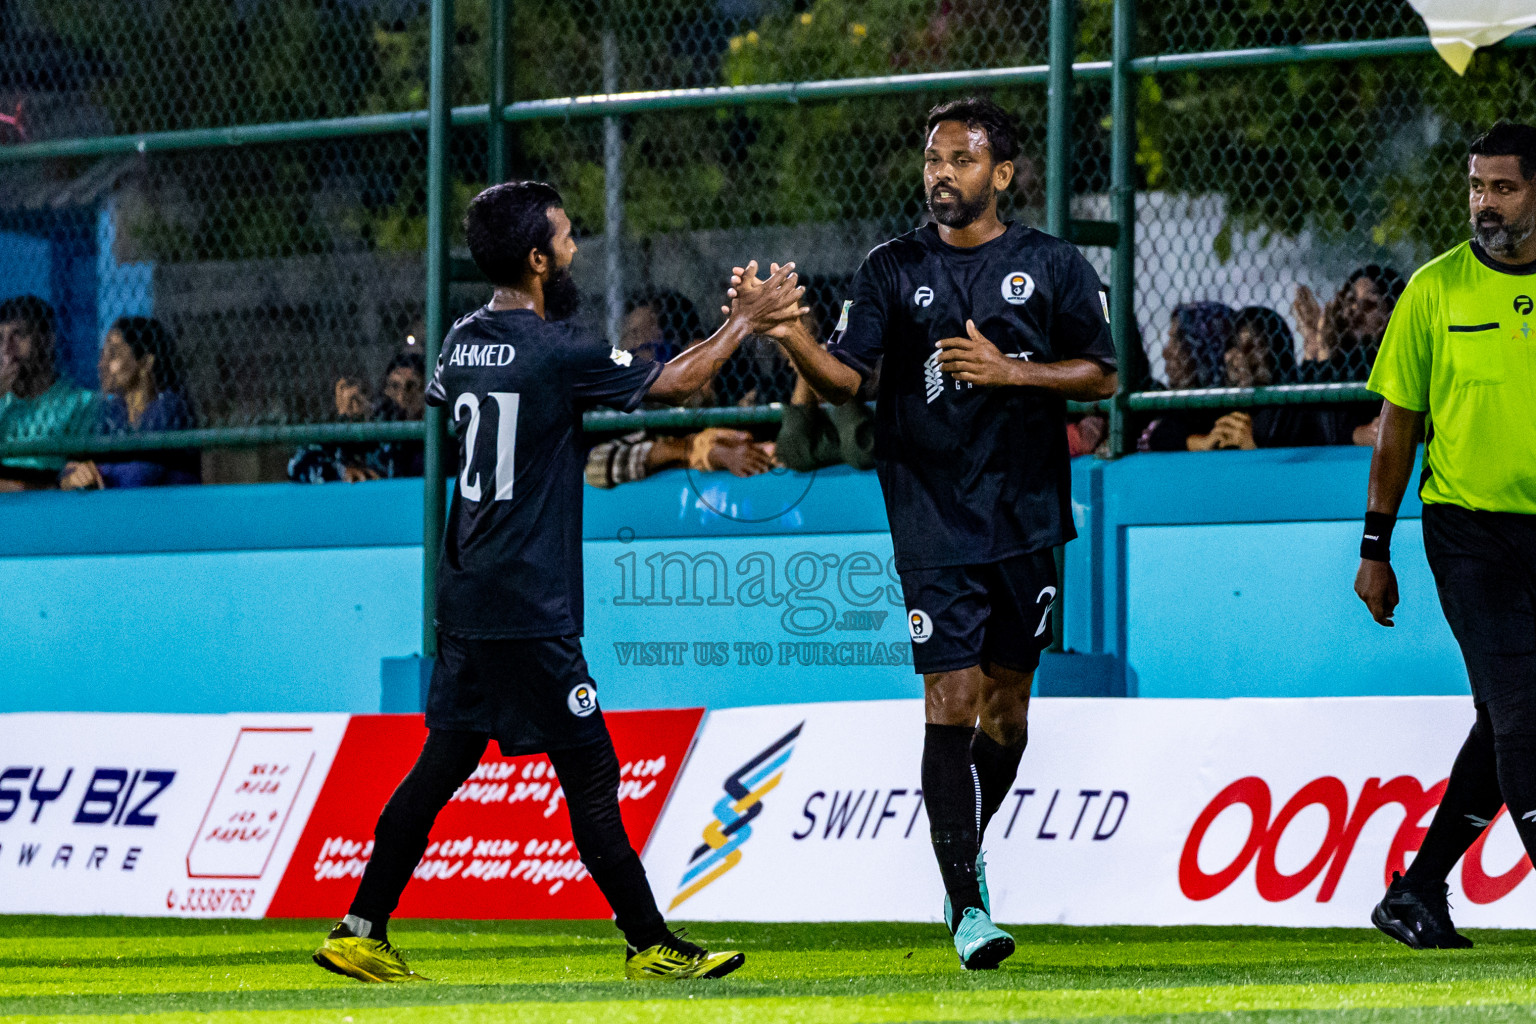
point(757, 312)
point(833, 380)
point(1397, 439)
point(976, 360)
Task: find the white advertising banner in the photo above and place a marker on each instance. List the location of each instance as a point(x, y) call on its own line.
point(184, 815)
point(1279, 812)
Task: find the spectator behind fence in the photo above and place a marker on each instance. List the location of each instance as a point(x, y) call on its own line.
point(1263, 353)
point(35, 403)
point(1199, 334)
point(1340, 340)
point(141, 392)
point(404, 399)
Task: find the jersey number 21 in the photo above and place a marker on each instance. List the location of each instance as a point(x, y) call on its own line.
point(472, 480)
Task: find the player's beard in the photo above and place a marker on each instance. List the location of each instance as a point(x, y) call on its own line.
point(561, 296)
point(1500, 236)
point(964, 210)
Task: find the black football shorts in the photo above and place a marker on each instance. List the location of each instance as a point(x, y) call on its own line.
point(530, 696)
point(993, 614)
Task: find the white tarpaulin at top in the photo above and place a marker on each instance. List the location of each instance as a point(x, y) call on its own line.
point(1459, 27)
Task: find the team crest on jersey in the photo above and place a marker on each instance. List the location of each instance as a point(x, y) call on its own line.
point(582, 700)
point(920, 625)
point(1017, 288)
point(923, 296)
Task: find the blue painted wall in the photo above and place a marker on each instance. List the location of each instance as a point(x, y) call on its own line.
point(1219, 574)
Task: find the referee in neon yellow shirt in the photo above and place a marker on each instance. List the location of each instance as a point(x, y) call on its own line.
point(1458, 367)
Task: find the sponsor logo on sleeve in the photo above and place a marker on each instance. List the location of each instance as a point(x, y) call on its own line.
point(621, 357)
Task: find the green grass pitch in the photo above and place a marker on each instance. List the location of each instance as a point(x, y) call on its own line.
point(87, 970)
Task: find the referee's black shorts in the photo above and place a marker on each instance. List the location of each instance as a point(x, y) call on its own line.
point(1485, 571)
point(998, 613)
point(530, 696)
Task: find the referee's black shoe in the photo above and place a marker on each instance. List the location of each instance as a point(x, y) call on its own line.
point(1418, 916)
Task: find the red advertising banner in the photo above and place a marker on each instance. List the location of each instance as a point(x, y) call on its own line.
point(502, 848)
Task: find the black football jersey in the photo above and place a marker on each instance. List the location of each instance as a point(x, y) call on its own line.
point(515, 387)
point(971, 474)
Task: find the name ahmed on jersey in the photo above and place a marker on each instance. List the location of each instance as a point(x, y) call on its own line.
point(500, 354)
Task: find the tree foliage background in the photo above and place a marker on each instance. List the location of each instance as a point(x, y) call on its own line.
point(1367, 150)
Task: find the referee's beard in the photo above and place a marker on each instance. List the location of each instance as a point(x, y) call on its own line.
point(1499, 236)
point(963, 210)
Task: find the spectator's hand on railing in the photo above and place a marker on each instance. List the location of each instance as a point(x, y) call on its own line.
point(1234, 430)
point(359, 474)
point(731, 450)
point(81, 476)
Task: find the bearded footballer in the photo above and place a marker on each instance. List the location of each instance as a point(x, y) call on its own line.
point(516, 379)
point(983, 330)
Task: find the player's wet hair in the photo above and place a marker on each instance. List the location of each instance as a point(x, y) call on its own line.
point(504, 223)
point(979, 112)
point(1506, 138)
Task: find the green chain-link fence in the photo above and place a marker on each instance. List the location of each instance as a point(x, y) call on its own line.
point(262, 178)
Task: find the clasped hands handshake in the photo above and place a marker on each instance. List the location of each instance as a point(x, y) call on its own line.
point(971, 358)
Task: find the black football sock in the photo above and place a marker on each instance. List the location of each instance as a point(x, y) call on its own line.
point(1472, 798)
point(589, 776)
point(400, 838)
point(996, 766)
point(952, 795)
point(1516, 754)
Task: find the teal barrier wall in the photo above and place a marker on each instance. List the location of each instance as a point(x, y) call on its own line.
point(1220, 574)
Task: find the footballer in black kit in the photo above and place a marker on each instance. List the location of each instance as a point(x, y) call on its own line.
point(982, 331)
point(515, 379)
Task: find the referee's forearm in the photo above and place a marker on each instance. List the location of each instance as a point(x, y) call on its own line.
point(1397, 441)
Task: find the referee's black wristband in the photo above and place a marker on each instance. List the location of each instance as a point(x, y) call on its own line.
point(1376, 542)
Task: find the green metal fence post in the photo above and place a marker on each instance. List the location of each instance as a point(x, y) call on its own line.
point(496, 128)
point(1122, 190)
point(1058, 200)
point(434, 496)
point(1058, 128)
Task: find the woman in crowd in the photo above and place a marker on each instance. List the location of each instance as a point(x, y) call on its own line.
point(1199, 334)
point(1340, 340)
point(141, 393)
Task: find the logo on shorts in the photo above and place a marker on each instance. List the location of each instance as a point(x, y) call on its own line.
point(1017, 288)
point(582, 700)
point(923, 296)
point(920, 625)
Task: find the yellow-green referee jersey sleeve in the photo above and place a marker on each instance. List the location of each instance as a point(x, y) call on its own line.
point(1401, 373)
